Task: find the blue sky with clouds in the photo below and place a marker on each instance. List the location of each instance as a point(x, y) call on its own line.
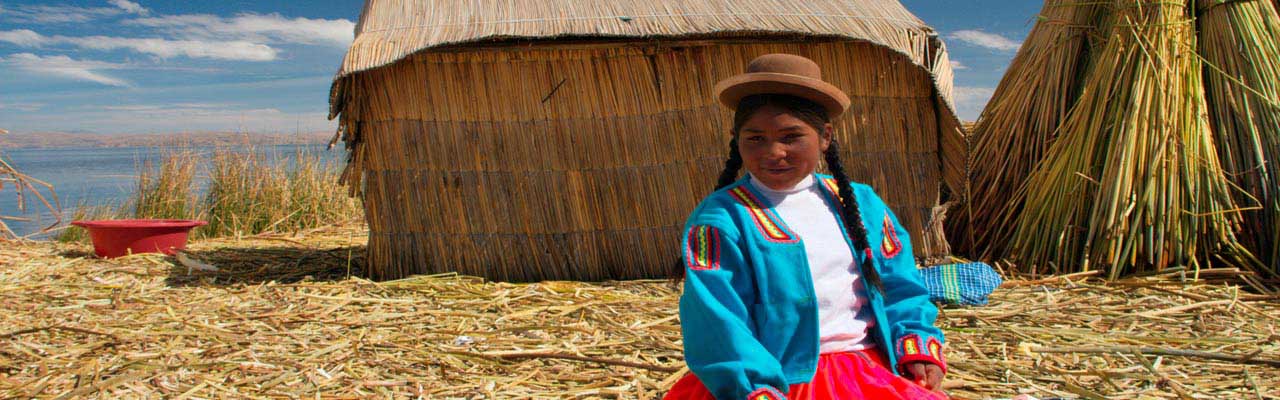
point(139, 66)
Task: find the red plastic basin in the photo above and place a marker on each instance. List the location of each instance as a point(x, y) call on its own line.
point(119, 237)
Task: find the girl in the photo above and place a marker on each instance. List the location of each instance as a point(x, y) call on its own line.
point(799, 285)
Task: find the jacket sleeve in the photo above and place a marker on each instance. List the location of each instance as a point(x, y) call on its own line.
point(907, 307)
point(720, 344)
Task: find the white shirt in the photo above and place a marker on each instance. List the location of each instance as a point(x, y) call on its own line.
point(842, 326)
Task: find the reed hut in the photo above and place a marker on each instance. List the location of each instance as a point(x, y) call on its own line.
point(568, 139)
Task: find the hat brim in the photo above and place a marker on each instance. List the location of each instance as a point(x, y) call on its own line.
point(731, 91)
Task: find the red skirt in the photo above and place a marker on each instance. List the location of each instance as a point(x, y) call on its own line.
point(845, 376)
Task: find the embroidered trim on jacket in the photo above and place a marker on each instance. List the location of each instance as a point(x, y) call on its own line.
point(890, 246)
point(702, 248)
point(766, 219)
point(766, 393)
point(912, 349)
point(832, 187)
point(909, 345)
point(935, 349)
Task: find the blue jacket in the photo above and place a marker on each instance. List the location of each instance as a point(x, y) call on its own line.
point(748, 312)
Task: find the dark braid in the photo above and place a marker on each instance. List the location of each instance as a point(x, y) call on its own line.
point(731, 165)
point(727, 177)
point(851, 216)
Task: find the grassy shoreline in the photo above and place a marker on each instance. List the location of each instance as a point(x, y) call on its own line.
point(242, 191)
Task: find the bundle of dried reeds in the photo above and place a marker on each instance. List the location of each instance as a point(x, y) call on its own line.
point(1020, 120)
point(1132, 182)
point(1240, 45)
point(1136, 176)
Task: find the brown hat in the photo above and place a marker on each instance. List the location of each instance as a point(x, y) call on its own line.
point(783, 74)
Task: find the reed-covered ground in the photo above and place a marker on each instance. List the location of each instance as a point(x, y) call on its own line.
point(285, 316)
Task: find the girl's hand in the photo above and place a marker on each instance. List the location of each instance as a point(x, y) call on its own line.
point(926, 375)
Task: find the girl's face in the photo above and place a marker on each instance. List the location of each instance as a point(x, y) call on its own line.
point(779, 149)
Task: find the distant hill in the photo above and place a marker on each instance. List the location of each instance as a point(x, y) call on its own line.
point(63, 139)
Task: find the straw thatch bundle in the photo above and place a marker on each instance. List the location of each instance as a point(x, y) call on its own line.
point(1019, 122)
point(1154, 148)
point(1132, 180)
point(569, 140)
point(1239, 43)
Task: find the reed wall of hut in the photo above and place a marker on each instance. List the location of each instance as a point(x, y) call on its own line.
point(581, 161)
point(569, 139)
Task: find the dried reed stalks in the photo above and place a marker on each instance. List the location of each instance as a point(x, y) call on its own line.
point(1135, 177)
point(1240, 43)
point(1132, 183)
point(390, 30)
point(280, 316)
point(1019, 122)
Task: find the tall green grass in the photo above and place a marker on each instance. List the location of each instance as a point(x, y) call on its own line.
point(166, 191)
point(248, 192)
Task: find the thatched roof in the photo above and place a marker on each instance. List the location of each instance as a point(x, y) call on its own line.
point(390, 30)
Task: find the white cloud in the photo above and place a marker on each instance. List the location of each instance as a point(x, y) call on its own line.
point(272, 105)
point(984, 39)
point(971, 100)
point(24, 107)
point(272, 28)
point(165, 48)
point(22, 37)
point(956, 65)
point(65, 67)
point(222, 50)
point(973, 94)
point(130, 7)
point(245, 37)
point(45, 14)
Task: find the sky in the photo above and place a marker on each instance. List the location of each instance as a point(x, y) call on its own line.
point(140, 66)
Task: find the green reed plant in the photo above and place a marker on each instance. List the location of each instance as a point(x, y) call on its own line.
point(313, 197)
point(246, 192)
point(167, 191)
point(249, 195)
point(245, 195)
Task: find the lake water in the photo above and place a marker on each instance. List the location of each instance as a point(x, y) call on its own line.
point(103, 176)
